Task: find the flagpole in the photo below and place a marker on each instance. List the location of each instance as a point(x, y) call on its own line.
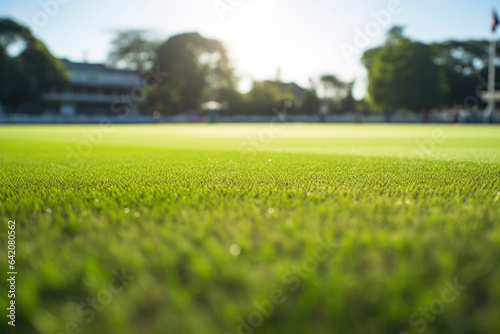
point(490, 109)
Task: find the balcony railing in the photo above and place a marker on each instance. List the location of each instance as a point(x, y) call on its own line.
point(82, 97)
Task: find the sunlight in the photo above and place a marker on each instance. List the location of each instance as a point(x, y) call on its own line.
point(251, 36)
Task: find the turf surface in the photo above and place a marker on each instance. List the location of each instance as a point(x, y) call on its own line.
point(265, 228)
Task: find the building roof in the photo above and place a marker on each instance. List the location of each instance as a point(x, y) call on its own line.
point(100, 75)
point(88, 67)
point(292, 87)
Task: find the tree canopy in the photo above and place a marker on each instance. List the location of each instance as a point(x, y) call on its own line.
point(133, 50)
point(30, 72)
point(465, 64)
point(264, 98)
point(198, 69)
point(462, 63)
point(310, 102)
point(403, 74)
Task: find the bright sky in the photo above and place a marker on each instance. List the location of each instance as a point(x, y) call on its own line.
point(302, 38)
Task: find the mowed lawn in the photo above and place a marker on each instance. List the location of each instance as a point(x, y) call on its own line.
point(262, 228)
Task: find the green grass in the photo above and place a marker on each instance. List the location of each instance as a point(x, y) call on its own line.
point(210, 219)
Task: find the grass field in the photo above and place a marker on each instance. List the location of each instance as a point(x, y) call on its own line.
point(265, 228)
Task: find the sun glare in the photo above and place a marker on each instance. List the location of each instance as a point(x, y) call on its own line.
point(250, 35)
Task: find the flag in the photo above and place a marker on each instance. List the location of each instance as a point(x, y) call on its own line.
point(495, 21)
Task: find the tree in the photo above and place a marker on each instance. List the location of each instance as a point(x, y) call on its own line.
point(395, 35)
point(348, 103)
point(332, 85)
point(133, 50)
point(5, 67)
point(465, 65)
point(339, 95)
point(310, 102)
point(29, 73)
point(264, 98)
point(192, 63)
point(403, 75)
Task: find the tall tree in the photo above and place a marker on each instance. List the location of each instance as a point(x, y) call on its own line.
point(133, 50)
point(332, 85)
point(465, 65)
point(196, 67)
point(30, 72)
point(403, 75)
point(266, 97)
point(338, 93)
point(349, 102)
point(310, 102)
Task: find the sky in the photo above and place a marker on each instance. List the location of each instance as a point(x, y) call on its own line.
point(302, 38)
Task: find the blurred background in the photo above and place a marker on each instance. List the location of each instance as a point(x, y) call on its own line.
point(73, 61)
